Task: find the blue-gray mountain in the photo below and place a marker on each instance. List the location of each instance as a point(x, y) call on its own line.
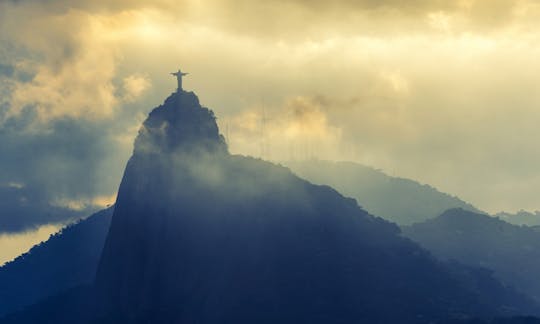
point(199, 235)
point(398, 200)
point(367, 185)
point(511, 251)
point(66, 260)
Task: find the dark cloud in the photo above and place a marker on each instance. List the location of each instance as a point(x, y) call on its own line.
point(6, 70)
point(42, 172)
point(66, 115)
point(397, 83)
point(26, 208)
point(55, 170)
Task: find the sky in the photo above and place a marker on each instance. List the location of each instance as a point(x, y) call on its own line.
point(443, 92)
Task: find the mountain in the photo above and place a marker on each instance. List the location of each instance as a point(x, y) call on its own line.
point(522, 217)
point(398, 200)
point(511, 251)
point(199, 235)
point(66, 260)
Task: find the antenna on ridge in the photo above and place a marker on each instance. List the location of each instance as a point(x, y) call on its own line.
point(227, 137)
point(265, 145)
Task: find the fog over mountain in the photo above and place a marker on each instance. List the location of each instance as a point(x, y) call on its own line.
point(398, 200)
point(521, 217)
point(512, 252)
point(199, 235)
point(434, 91)
point(364, 161)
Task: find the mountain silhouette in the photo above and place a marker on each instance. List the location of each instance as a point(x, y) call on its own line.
point(398, 200)
point(66, 260)
point(522, 217)
point(201, 236)
point(511, 251)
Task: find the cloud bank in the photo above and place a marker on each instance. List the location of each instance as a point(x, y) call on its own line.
point(442, 92)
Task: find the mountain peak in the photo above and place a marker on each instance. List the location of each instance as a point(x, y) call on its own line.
point(201, 236)
point(463, 214)
point(457, 212)
point(180, 124)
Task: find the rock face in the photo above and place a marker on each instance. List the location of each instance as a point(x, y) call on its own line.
point(199, 235)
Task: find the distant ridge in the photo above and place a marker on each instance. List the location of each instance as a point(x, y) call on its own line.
point(398, 200)
point(522, 217)
point(511, 251)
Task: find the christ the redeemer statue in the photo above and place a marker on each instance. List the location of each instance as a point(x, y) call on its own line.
point(179, 76)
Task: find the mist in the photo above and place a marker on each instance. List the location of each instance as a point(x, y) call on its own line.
point(449, 99)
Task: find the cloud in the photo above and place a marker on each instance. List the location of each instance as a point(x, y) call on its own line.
point(443, 92)
point(84, 204)
point(301, 19)
point(63, 107)
point(39, 169)
point(134, 86)
point(295, 130)
point(14, 245)
point(72, 69)
point(6, 70)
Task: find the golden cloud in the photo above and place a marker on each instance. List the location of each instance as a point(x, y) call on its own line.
point(14, 245)
point(435, 90)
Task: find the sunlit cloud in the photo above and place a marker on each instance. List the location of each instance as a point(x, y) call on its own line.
point(81, 204)
point(14, 245)
point(438, 91)
point(134, 86)
point(298, 129)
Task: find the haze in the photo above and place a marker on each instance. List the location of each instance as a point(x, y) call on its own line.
point(446, 94)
